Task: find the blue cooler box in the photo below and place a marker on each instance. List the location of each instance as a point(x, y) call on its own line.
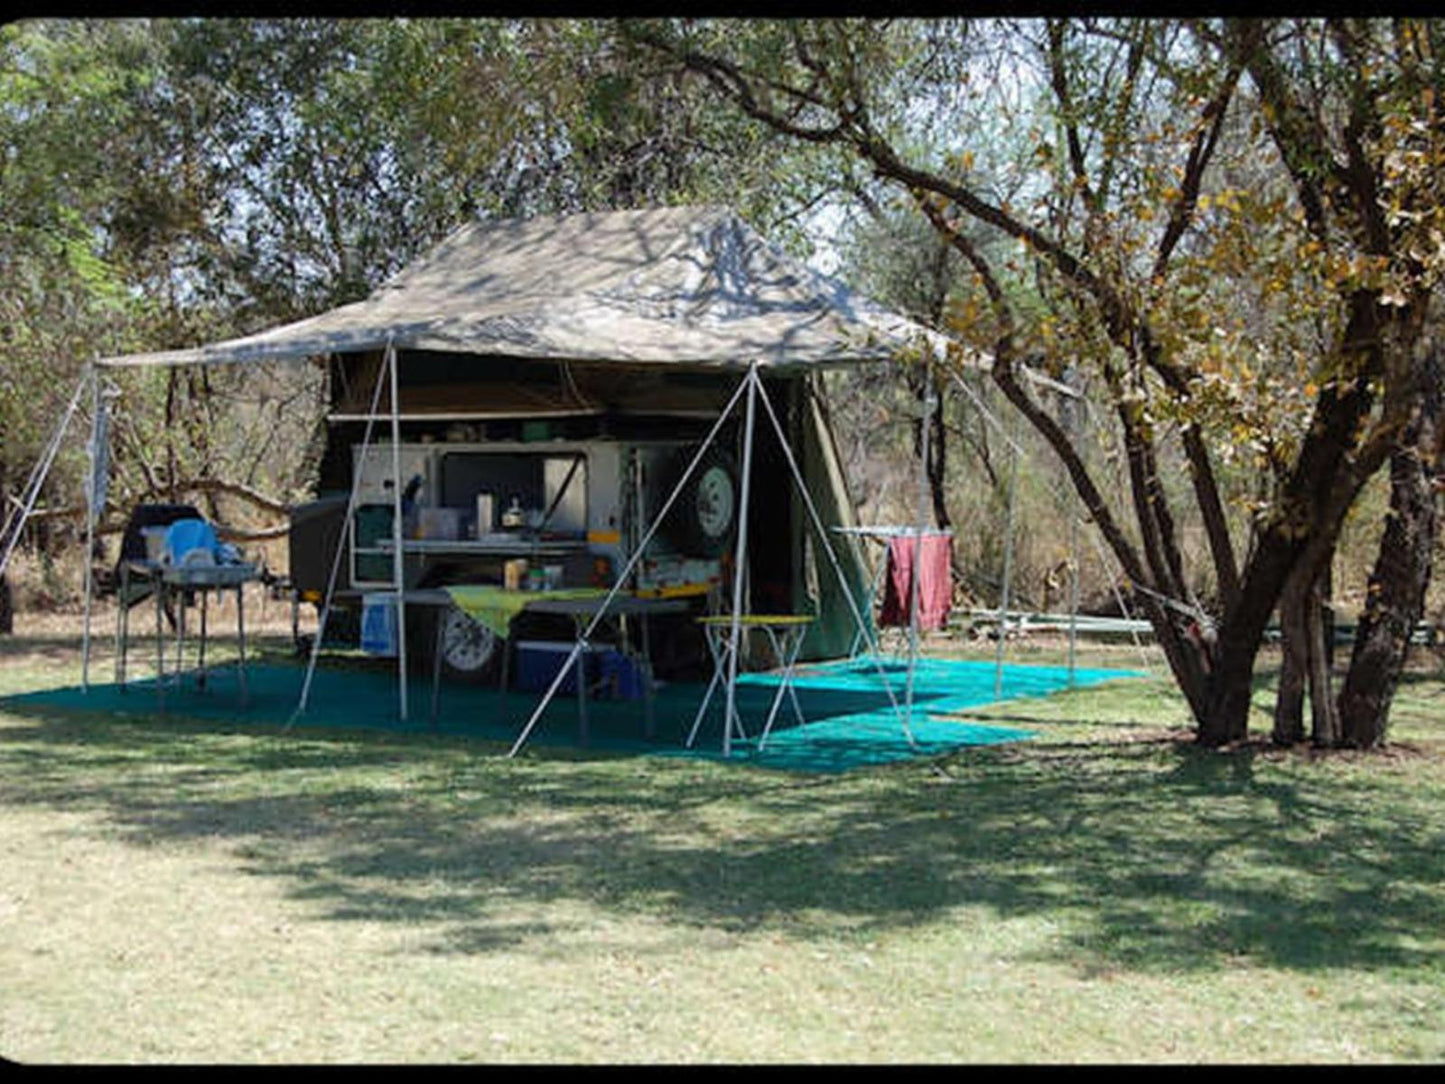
point(538, 662)
point(612, 674)
point(621, 677)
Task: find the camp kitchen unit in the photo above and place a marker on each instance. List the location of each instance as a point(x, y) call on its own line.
point(560, 498)
point(539, 514)
point(562, 514)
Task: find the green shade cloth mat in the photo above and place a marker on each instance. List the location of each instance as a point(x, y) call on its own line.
point(851, 723)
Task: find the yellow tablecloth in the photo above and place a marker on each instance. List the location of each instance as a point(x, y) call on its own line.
point(496, 606)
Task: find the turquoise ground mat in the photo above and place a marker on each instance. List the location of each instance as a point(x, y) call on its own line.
point(851, 720)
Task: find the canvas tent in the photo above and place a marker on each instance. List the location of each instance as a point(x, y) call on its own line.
point(681, 287)
point(624, 311)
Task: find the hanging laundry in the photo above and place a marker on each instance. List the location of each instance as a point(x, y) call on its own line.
point(935, 583)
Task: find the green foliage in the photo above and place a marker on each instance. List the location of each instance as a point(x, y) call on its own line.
point(172, 182)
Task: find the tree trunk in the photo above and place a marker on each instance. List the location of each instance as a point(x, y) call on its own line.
point(1396, 596)
point(1306, 665)
point(1324, 719)
point(1289, 702)
point(935, 470)
point(938, 460)
point(1318, 499)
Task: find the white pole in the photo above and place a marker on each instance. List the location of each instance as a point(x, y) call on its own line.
point(1073, 596)
point(91, 513)
point(398, 562)
point(37, 477)
point(1008, 560)
point(346, 526)
point(1067, 409)
point(741, 559)
point(914, 577)
point(1108, 562)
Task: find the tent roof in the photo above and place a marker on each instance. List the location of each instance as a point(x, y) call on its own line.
point(692, 286)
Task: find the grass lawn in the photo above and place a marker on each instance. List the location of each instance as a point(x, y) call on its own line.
point(178, 891)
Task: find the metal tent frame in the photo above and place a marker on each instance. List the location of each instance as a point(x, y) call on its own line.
point(752, 386)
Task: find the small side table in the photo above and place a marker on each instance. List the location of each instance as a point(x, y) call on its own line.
point(785, 635)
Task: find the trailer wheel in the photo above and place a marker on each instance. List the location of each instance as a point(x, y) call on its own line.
point(468, 648)
point(704, 518)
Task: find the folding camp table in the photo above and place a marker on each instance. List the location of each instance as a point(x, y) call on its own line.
point(785, 635)
point(580, 605)
point(583, 610)
point(179, 581)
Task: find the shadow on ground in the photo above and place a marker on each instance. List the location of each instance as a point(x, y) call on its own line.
point(1150, 856)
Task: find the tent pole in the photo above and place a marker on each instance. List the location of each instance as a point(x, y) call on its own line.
point(914, 577)
point(631, 564)
point(1073, 597)
point(16, 525)
point(91, 514)
point(398, 561)
point(863, 627)
point(1070, 419)
point(1008, 560)
point(346, 526)
point(742, 559)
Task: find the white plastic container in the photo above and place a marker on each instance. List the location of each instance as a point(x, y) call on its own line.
point(155, 540)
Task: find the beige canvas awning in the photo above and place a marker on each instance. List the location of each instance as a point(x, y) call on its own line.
point(680, 286)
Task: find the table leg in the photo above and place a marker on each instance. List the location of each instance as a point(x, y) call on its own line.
point(201, 657)
point(159, 592)
point(504, 644)
point(122, 625)
point(873, 589)
point(241, 636)
point(787, 653)
point(180, 636)
point(436, 665)
point(581, 674)
point(737, 719)
point(643, 665)
point(714, 649)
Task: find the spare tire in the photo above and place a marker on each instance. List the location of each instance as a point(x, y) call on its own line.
point(469, 650)
point(704, 518)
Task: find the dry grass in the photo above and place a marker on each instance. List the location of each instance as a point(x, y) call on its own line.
point(175, 893)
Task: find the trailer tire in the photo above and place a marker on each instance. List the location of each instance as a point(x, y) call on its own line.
point(704, 519)
point(469, 650)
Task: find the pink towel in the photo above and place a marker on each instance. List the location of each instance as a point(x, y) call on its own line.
point(935, 581)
